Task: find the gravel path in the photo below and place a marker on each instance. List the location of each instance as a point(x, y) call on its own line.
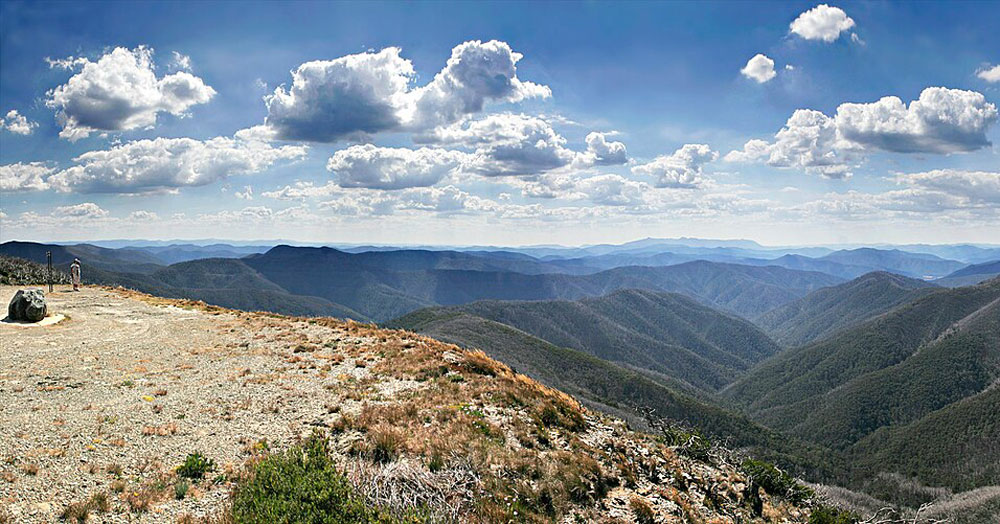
point(113, 398)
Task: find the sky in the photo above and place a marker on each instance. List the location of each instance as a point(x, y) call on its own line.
point(509, 123)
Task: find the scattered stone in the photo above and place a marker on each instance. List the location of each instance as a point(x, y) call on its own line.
point(28, 305)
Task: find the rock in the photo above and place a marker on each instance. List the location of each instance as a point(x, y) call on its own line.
point(27, 305)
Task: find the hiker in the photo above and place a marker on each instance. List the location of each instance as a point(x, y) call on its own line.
point(74, 272)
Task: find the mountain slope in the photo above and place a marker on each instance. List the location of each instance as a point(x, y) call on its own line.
point(971, 275)
point(611, 387)
point(955, 446)
point(828, 310)
point(663, 332)
point(928, 355)
point(817, 368)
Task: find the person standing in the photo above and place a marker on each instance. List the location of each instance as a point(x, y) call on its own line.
point(74, 272)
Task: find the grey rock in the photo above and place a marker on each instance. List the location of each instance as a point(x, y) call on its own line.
point(28, 305)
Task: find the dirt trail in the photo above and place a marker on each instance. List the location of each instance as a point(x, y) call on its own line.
point(124, 389)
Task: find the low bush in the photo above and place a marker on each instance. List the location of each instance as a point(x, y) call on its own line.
point(195, 466)
point(303, 485)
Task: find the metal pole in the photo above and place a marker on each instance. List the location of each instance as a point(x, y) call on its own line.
point(48, 257)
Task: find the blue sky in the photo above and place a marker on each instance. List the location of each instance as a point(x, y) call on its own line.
point(552, 122)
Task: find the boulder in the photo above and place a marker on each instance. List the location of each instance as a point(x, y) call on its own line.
point(28, 305)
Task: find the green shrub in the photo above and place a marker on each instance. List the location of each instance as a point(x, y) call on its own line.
point(774, 481)
point(304, 486)
point(195, 466)
point(823, 514)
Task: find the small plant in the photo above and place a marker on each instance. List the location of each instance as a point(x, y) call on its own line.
point(80, 511)
point(436, 463)
point(195, 466)
point(181, 489)
point(643, 512)
point(386, 444)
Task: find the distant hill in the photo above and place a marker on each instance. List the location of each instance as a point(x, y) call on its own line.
point(986, 268)
point(828, 310)
point(888, 373)
point(175, 253)
point(384, 287)
point(130, 260)
point(664, 332)
point(916, 265)
point(971, 275)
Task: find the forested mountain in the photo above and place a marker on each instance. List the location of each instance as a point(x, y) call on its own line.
point(664, 332)
point(828, 310)
point(931, 357)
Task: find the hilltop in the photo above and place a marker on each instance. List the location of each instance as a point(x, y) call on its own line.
point(131, 387)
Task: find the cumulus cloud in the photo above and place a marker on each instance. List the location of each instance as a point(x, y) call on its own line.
point(17, 123)
point(477, 72)
point(25, 177)
point(375, 167)
point(990, 74)
point(759, 68)
point(371, 92)
point(83, 211)
point(506, 145)
point(166, 164)
point(120, 91)
point(821, 23)
point(682, 169)
point(809, 140)
point(602, 152)
point(941, 121)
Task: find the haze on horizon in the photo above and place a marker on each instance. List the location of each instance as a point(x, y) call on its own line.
point(500, 124)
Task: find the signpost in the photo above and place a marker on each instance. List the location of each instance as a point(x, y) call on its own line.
point(48, 257)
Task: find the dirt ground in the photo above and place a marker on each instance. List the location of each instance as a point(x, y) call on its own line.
point(122, 390)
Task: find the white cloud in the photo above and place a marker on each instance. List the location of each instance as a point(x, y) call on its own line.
point(821, 23)
point(940, 121)
point(809, 140)
point(25, 177)
point(246, 194)
point(506, 145)
point(601, 152)
point(975, 187)
point(165, 164)
point(119, 92)
point(180, 62)
point(17, 123)
point(367, 93)
point(759, 68)
point(476, 73)
point(82, 211)
point(990, 74)
point(682, 169)
point(333, 99)
point(142, 216)
point(375, 167)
